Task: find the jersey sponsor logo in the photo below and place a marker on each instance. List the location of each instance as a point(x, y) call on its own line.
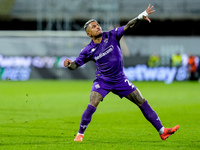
point(107, 51)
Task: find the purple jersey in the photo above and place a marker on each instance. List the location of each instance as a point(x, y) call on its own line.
point(107, 56)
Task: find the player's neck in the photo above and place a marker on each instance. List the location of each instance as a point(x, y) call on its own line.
point(97, 39)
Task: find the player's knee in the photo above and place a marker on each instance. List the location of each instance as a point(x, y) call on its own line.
point(94, 102)
point(140, 101)
point(95, 98)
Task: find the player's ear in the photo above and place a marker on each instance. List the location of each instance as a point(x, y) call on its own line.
point(88, 34)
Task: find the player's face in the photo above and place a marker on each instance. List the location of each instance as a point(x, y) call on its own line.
point(94, 29)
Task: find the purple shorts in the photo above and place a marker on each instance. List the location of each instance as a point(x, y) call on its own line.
point(122, 88)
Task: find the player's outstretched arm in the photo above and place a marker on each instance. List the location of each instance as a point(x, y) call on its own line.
point(143, 15)
point(71, 65)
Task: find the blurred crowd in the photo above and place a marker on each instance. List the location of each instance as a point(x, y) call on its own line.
point(192, 63)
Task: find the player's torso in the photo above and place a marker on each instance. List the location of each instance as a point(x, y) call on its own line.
point(108, 50)
point(107, 56)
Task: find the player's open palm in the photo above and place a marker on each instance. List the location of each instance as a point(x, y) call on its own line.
point(149, 11)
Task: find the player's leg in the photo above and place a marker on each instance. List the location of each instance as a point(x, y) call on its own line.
point(126, 89)
point(150, 114)
point(136, 97)
point(146, 109)
point(86, 118)
point(95, 99)
point(97, 94)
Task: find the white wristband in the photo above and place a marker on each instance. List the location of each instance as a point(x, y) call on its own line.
point(144, 13)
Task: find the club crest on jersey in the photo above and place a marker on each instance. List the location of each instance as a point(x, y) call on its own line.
point(97, 86)
point(106, 40)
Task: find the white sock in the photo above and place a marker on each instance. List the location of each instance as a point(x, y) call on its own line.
point(80, 134)
point(161, 130)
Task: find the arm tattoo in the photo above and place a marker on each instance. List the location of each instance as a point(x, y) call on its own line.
point(131, 23)
point(73, 66)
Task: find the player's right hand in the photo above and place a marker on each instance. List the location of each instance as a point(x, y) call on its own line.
point(67, 62)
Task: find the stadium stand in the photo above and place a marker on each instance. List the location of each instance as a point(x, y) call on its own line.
point(66, 11)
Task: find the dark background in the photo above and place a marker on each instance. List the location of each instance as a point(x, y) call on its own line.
point(156, 27)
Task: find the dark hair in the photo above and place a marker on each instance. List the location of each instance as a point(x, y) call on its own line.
point(88, 22)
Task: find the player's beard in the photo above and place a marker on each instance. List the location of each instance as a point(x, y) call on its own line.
point(98, 36)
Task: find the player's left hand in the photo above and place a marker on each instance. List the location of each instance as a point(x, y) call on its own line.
point(149, 11)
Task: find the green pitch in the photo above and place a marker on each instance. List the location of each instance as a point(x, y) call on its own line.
point(46, 115)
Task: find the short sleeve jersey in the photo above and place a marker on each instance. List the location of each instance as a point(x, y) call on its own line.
point(107, 55)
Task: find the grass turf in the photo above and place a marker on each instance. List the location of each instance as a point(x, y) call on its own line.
point(46, 115)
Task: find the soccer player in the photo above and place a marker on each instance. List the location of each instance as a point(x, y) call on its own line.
point(104, 50)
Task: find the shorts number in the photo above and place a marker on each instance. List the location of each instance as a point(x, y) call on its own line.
point(129, 83)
